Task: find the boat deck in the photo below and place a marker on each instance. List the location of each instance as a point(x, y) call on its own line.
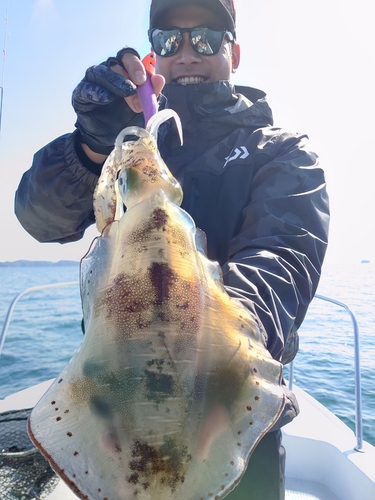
point(296, 489)
point(300, 489)
point(320, 451)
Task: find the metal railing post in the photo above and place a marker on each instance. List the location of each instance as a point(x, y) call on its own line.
point(357, 373)
point(19, 296)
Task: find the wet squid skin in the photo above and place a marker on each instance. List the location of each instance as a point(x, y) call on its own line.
point(171, 388)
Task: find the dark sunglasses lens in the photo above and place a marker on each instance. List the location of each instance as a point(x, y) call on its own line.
point(206, 41)
point(165, 42)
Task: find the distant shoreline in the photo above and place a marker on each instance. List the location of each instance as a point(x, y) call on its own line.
point(39, 263)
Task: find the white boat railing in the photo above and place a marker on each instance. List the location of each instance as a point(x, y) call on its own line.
point(357, 362)
point(19, 296)
point(357, 372)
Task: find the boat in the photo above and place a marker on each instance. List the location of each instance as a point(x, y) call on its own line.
point(326, 460)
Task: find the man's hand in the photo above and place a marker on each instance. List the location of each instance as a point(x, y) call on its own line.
point(133, 70)
point(106, 101)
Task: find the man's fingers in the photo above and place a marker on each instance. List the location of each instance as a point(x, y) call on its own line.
point(136, 73)
point(110, 80)
point(133, 103)
point(134, 68)
point(158, 82)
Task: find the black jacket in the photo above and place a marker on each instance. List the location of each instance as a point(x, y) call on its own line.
point(254, 189)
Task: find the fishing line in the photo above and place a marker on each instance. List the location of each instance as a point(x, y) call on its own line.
point(3, 65)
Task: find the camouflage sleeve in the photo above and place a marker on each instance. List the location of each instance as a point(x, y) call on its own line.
point(276, 258)
point(53, 201)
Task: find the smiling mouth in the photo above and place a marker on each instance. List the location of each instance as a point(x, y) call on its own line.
point(189, 80)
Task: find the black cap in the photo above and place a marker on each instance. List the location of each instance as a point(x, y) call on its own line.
point(224, 9)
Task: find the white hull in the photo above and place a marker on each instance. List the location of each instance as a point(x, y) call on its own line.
point(321, 460)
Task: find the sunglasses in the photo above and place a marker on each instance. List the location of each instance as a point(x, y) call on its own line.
point(205, 40)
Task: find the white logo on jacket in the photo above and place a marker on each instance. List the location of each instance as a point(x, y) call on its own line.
point(241, 153)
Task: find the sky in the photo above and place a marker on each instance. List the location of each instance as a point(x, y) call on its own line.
point(313, 58)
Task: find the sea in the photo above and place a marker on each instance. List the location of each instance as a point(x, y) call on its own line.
point(45, 331)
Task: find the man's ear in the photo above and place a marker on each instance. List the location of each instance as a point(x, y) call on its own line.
point(236, 56)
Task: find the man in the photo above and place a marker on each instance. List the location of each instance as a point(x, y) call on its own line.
point(255, 189)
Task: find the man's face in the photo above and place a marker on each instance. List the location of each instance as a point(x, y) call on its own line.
point(187, 66)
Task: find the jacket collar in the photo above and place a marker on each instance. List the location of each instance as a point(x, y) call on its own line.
point(219, 101)
point(209, 112)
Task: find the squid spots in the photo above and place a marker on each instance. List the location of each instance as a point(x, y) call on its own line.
point(159, 386)
point(168, 462)
point(162, 279)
